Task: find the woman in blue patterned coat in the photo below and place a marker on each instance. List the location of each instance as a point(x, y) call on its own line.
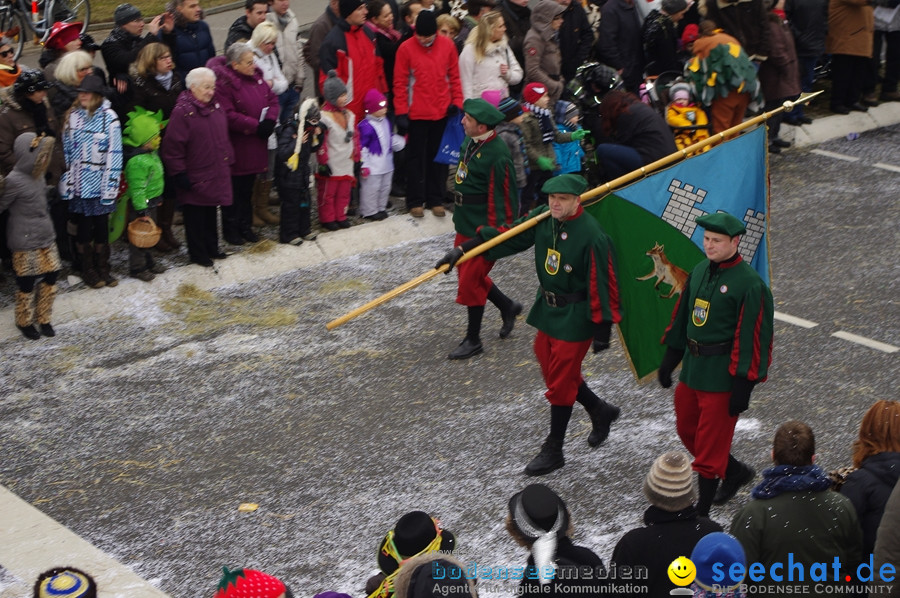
point(92, 145)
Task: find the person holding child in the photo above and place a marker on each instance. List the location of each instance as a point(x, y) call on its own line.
point(377, 146)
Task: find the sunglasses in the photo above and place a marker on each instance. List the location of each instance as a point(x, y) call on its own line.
point(6, 53)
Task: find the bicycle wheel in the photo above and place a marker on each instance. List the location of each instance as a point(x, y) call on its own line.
point(12, 26)
point(70, 11)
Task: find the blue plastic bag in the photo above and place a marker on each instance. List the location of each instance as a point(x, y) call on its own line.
point(451, 141)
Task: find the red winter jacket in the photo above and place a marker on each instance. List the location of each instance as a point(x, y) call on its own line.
point(426, 80)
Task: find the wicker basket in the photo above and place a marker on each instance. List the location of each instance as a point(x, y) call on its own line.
point(143, 232)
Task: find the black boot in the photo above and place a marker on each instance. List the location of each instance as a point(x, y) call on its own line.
point(737, 474)
point(471, 345)
point(549, 459)
point(509, 309)
point(706, 490)
point(602, 414)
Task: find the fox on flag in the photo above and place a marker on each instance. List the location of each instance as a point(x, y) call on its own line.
point(657, 241)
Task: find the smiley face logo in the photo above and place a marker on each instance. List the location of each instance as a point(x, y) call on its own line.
point(682, 571)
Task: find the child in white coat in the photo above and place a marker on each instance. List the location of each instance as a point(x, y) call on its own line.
point(378, 144)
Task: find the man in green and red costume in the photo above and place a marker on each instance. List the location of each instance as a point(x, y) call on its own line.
point(722, 328)
point(485, 194)
point(575, 307)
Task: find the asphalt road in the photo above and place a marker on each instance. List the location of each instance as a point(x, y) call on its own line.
point(144, 430)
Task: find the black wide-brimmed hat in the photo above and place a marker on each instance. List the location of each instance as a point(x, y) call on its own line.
point(93, 84)
point(413, 533)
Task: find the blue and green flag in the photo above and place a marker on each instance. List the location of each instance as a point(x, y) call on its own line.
point(657, 241)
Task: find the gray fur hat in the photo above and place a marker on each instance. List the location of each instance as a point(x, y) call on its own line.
point(333, 88)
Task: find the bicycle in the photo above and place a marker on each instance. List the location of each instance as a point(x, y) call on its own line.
point(18, 19)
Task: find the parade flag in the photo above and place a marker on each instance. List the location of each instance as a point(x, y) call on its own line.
point(657, 241)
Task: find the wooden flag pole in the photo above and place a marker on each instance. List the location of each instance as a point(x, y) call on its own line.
point(601, 191)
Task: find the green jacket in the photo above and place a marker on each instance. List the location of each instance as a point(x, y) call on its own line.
point(815, 526)
point(738, 310)
point(144, 175)
point(586, 265)
point(485, 170)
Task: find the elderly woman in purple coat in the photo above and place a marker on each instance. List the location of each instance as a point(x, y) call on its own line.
point(197, 154)
point(252, 110)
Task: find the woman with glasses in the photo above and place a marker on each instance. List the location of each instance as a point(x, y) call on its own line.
point(9, 69)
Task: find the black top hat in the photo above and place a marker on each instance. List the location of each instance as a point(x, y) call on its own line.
point(541, 506)
point(93, 84)
point(413, 533)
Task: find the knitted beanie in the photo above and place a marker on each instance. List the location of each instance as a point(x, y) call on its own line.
point(533, 92)
point(672, 7)
point(374, 101)
point(248, 583)
point(670, 483)
point(347, 7)
point(126, 13)
point(333, 88)
point(426, 23)
point(510, 107)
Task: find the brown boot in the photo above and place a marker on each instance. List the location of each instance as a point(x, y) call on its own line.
point(25, 315)
point(88, 268)
point(165, 214)
point(46, 295)
point(101, 254)
point(261, 211)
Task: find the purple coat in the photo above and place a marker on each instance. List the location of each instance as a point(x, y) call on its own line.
point(196, 143)
point(243, 99)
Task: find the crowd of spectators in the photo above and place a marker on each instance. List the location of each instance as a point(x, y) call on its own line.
point(797, 518)
point(424, 57)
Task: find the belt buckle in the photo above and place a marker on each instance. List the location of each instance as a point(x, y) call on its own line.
point(457, 198)
point(550, 298)
point(693, 348)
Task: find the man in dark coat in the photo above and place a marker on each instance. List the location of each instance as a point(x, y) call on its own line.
point(575, 38)
point(619, 44)
point(124, 43)
point(743, 19)
point(317, 33)
point(671, 524)
point(660, 37)
point(243, 26)
point(187, 35)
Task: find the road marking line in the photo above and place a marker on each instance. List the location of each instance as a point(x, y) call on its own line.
point(866, 342)
point(835, 155)
point(794, 320)
point(884, 166)
point(32, 542)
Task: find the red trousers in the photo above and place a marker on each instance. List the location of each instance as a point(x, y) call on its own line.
point(705, 428)
point(474, 282)
point(333, 195)
point(728, 112)
point(561, 367)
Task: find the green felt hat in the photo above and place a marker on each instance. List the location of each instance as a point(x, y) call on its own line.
point(573, 184)
point(483, 112)
point(723, 223)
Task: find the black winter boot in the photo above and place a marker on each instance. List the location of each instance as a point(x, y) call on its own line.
point(549, 459)
point(602, 414)
point(706, 491)
point(737, 474)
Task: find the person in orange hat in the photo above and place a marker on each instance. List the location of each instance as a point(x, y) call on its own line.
point(62, 39)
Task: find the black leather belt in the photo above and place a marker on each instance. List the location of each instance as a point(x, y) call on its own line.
point(469, 199)
point(560, 300)
point(699, 349)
